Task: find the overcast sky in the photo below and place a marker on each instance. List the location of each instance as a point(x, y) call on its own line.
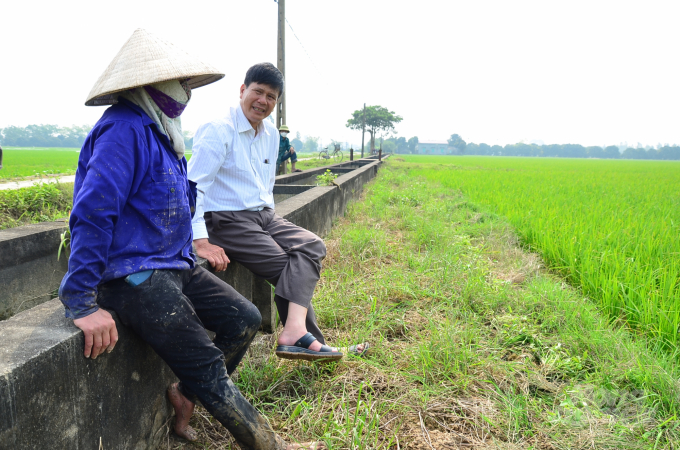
point(586, 72)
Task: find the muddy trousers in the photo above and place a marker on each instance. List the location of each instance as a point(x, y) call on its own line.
point(171, 311)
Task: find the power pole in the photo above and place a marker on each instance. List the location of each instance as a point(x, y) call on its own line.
point(363, 131)
point(281, 63)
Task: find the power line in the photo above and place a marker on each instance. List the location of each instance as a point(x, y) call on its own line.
point(303, 48)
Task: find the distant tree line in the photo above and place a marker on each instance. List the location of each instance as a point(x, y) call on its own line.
point(457, 146)
point(54, 136)
point(44, 136)
point(571, 151)
point(400, 145)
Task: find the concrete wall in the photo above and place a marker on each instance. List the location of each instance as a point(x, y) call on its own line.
point(316, 208)
point(52, 397)
point(29, 270)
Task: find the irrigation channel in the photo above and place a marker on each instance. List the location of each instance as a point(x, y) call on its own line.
point(46, 386)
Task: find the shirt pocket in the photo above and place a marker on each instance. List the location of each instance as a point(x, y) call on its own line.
point(169, 202)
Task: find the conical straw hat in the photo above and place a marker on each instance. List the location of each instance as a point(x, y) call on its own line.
point(146, 59)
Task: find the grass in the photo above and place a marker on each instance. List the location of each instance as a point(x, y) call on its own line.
point(610, 227)
point(42, 203)
point(475, 344)
point(19, 163)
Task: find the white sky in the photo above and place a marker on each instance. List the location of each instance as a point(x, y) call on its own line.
point(587, 72)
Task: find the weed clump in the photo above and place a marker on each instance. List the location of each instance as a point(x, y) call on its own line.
point(42, 203)
point(326, 179)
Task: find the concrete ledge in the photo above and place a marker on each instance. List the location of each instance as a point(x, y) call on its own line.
point(51, 397)
point(317, 208)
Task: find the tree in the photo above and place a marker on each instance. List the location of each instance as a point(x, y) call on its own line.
point(297, 142)
point(611, 151)
point(667, 152)
point(484, 149)
point(400, 144)
point(456, 142)
point(378, 120)
point(472, 149)
point(595, 152)
point(389, 146)
point(311, 145)
point(412, 143)
point(634, 153)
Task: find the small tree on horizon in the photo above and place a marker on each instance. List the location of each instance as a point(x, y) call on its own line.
point(412, 143)
point(378, 120)
point(457, 142)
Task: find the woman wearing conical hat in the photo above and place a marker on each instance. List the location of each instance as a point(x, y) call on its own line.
point(131, 242)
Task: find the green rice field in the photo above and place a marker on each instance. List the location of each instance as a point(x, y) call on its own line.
point(610, 227)
point(20, 162)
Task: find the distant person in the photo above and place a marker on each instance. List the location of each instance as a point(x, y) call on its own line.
point(131, 242)
point(286, 150)
point(233, 164)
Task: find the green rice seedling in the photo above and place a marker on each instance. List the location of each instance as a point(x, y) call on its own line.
point(610, 227)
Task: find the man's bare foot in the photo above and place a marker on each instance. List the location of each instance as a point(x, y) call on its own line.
point(290, 338)
point(317, 445)
point(183, 411)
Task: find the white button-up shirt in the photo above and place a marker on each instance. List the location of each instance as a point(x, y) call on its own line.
point(235, 170)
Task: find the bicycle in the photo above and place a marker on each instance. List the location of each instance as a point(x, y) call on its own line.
point(335, 154)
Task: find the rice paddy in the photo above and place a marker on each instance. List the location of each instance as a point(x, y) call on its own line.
point(610, 227)
point(20, 162)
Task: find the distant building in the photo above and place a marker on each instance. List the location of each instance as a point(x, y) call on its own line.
point(434, 148)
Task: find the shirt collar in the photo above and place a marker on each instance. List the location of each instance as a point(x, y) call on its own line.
point(146, 120)
point(242, 123)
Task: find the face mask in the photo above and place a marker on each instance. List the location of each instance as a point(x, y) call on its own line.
point(284, 134)
point(170, 107)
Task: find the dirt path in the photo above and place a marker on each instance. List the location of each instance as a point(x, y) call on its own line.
point(29, 183)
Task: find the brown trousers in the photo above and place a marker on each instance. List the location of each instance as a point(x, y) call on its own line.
point(287, 256)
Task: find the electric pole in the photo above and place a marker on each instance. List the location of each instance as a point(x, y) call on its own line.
point(281, 63)
point(363, 131)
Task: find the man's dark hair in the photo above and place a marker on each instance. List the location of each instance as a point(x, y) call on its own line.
point(265, 73)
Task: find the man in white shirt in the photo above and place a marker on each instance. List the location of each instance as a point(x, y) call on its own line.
point(234, 166)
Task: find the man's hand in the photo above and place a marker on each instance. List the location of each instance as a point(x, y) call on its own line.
point(292, 149)
point(214, 254)
point(100, 333)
